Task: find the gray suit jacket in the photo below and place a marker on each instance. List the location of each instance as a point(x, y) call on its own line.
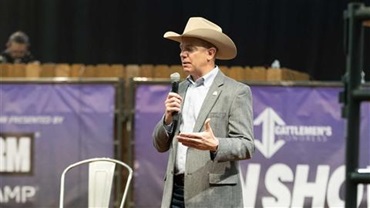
point(213, 180)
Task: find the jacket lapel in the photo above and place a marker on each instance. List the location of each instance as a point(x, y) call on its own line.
point(182, 88)
point(211, 98)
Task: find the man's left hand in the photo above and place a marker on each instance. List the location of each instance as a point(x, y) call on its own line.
point(205, 140)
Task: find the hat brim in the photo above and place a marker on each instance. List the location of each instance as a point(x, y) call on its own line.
point(226, 48)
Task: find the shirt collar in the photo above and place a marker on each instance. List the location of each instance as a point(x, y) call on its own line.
point(207, 79)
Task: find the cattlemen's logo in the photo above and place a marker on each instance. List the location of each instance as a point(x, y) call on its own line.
point(275, 133)
point(16, 153)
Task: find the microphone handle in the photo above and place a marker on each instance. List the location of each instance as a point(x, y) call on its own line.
point(175, 89)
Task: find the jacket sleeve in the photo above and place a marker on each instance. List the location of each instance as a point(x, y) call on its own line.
point(161, 138)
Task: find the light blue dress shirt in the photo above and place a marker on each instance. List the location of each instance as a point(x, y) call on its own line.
point(194, 97)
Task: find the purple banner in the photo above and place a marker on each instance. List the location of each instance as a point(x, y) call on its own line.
point(300, 148)
point(43, 129)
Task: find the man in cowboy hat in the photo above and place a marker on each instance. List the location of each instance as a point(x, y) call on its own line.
point(215, 128)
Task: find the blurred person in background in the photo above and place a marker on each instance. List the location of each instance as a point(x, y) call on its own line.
point(17, 49)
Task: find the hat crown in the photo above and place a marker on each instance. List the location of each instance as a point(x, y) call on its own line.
point(201, 28)
point(200, 23)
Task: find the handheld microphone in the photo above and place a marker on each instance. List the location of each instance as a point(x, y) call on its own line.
point(175, 78)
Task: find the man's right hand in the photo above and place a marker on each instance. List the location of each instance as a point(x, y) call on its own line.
point(173, 104)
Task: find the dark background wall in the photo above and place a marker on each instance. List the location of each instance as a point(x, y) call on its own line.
point(306, 35)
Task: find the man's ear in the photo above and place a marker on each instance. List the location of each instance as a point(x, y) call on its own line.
point(212, 52)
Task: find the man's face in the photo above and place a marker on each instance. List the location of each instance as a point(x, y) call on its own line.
point(17, 50)
point(194, 55)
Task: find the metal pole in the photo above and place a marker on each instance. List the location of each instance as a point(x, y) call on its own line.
point(353, 106)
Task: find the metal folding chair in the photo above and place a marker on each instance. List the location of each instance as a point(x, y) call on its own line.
point(101, 174)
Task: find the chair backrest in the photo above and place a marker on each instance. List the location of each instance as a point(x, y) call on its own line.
point(101, 174)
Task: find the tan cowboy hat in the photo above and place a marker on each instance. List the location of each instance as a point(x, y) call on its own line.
point(198, 27)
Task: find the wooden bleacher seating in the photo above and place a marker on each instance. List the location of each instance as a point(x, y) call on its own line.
point(285, 74)
point(62, 70)
point(77, 70)
point(4, 70)
point(90, 71)
point(162, 71)
point(132, 70)
point(103, 70)
point(119, 70)
point(257, 73)
point(146, 70)
point(47, 70)
point(237, 73)
point(17, 70)
point(33, 70)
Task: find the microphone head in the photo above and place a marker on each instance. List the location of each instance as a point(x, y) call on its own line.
point(175, 77)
